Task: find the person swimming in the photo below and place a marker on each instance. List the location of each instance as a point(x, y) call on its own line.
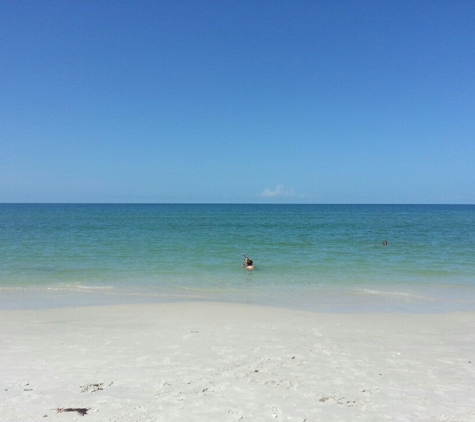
point(248, 263)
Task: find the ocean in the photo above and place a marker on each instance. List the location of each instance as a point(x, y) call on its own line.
point(328, 258)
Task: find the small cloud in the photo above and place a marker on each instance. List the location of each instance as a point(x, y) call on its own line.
point(279, 192)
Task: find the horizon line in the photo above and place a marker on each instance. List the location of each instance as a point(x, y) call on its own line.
point(234, 203)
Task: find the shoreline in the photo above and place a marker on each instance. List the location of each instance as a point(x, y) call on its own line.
point(202, 361)
point(335, 299)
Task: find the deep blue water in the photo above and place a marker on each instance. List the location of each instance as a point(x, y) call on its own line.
point(318, 257)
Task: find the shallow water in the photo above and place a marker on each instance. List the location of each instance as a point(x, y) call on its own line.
point(317, 257)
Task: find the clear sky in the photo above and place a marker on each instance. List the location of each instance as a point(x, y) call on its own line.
point(237, 101)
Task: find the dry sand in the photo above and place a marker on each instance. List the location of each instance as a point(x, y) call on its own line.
point(227, 362)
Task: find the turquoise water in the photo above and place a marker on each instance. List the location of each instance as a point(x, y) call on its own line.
point(318, 257)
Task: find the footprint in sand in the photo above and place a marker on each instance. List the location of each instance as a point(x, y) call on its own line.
point(275, 411)
point(328, 399)
point(342, 401)
point(373, 390)
point(234, 415)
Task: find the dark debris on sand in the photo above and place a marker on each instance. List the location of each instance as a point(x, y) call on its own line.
point(81, 410)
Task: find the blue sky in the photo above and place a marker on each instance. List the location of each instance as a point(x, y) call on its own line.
point(237, 101)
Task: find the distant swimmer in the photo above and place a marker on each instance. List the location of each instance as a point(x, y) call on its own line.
point(248, 264)
point(385, 243)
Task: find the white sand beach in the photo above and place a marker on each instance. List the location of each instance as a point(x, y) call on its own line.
point(230, 362)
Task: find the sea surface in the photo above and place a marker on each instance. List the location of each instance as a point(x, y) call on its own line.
point(328, 258)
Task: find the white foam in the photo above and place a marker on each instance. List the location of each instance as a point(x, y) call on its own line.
point(389, 293)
